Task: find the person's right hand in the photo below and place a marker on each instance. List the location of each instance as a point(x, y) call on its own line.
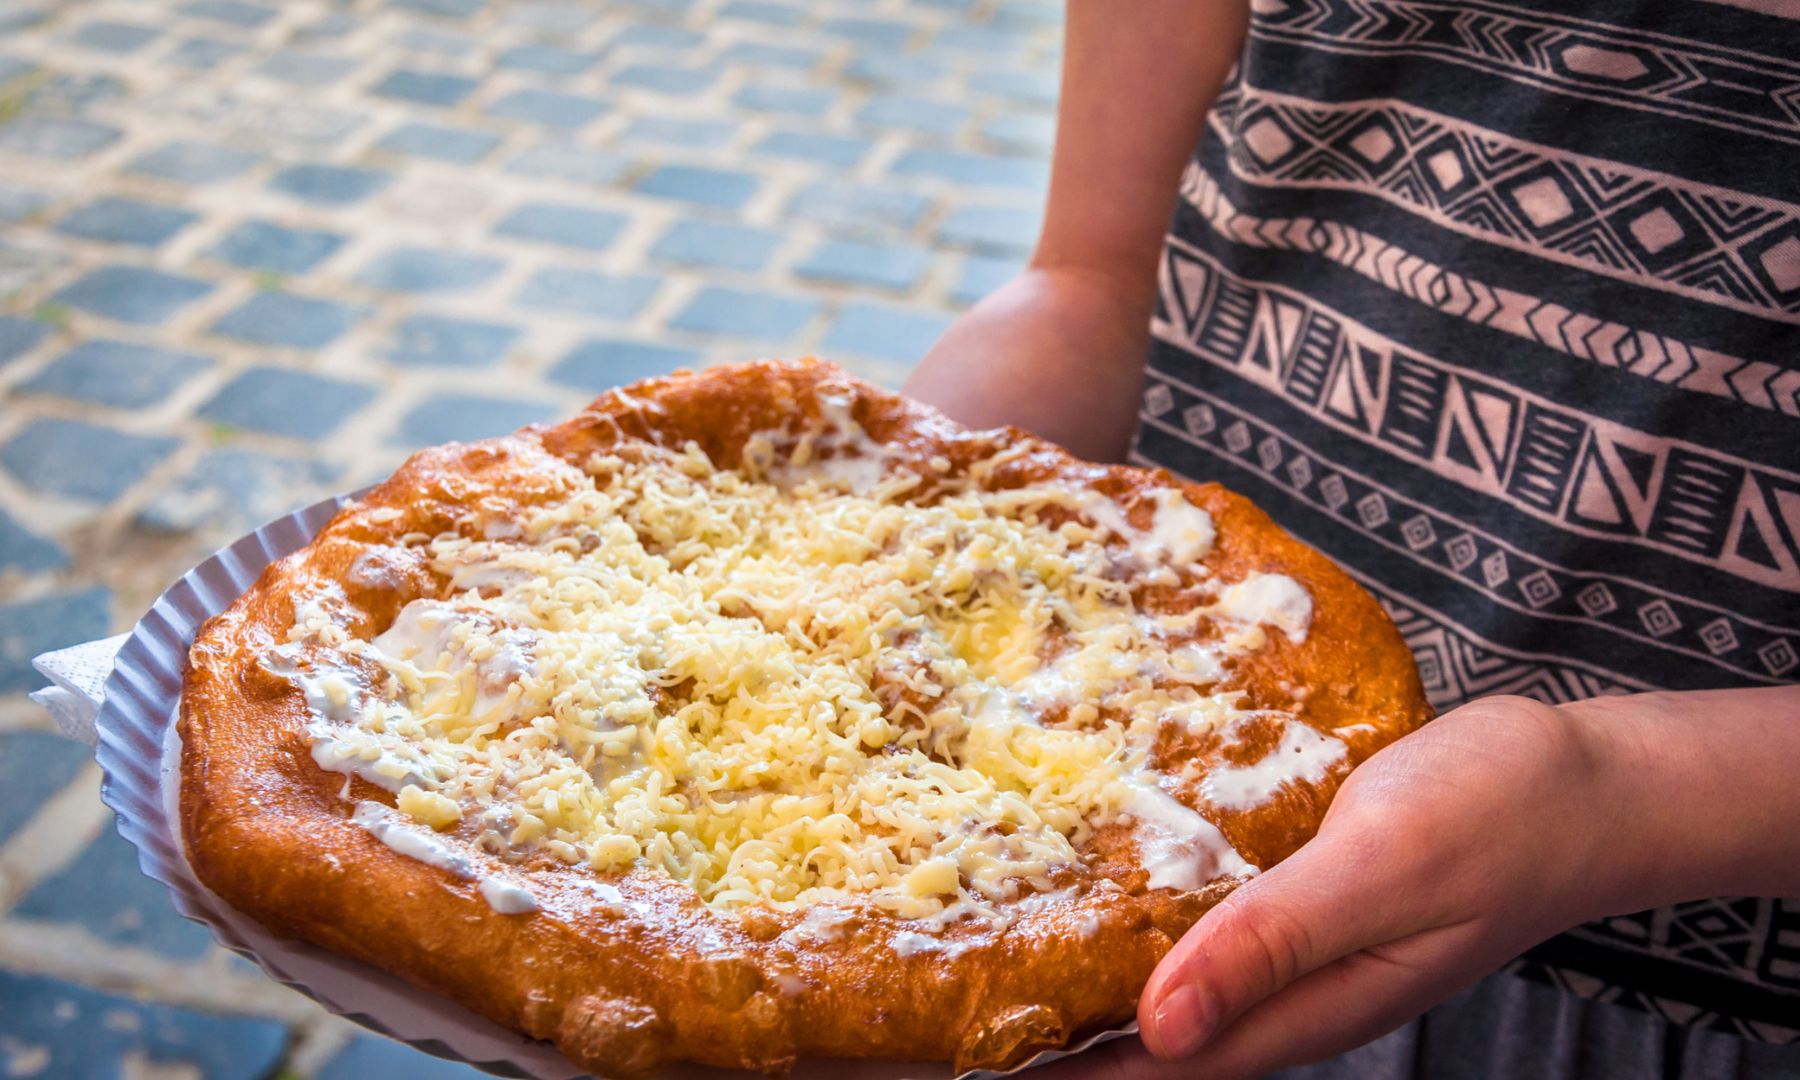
point(1457, 848)
point(1057, 351)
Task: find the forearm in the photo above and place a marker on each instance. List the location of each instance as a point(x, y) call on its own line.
point(1137, 82)
point(1060, 350)
point(1704, 789)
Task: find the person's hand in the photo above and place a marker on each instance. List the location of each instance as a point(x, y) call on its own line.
point(1442, 857)
point(1059, 352)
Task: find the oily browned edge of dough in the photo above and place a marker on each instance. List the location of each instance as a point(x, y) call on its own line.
point(621, 991)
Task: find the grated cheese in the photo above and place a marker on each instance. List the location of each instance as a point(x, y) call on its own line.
point(787, 684)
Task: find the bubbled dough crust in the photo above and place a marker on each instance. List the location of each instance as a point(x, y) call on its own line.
point(623, 990)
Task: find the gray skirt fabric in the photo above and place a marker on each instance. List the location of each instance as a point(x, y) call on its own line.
point(1505, 1026)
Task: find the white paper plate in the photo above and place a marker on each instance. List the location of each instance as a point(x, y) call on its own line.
point(137, 753)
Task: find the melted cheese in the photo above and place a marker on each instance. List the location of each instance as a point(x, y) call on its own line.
point(1179, 848)
point(1268, 600)
point(1303, 755)
point(787, 684)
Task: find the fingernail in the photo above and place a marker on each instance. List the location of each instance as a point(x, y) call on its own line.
point(1183, 1022)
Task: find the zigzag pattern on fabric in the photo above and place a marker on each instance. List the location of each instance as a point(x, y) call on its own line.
point(1649, 229)
point(1662, 359)
point(1730, 89)
point(1583, 473)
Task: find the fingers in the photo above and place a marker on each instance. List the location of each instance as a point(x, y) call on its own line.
point(1334, 896)
point(1340, 1006)
point(1121, 1059)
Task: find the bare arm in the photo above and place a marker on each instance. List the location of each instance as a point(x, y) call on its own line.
point(1060, 350)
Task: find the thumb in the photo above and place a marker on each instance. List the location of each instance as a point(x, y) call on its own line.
point(1325, 901)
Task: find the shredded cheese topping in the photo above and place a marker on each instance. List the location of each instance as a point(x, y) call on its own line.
point(787, 683)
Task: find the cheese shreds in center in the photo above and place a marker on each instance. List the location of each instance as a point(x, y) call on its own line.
point(786, 683)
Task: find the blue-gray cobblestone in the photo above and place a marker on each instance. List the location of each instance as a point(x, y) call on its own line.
point(795, 100)
point(232, 490)
point(563, 224)
point(454, 9)
point(764, 177)
point(546, 59)
point(674, 131)
point(18, 204)
point(120, 374)
point(548, 107)
point(108, 35)
point(602, 363)
point(115, 220)
point(77, 1032)
point(201, 53)
point(282, 401)
point(73, 92)
point(973, 170)
point(282, 318)
point(743, 313)
point(230, 12)
point(104, 891)
point(913, 114)
point(372, 1056)
point(463, 145)
point(29, 627)
point(300, 67)
point(189, 162)
point(715, 244)
point(82, 460)
point(264, 245)
point(884, 332)
point(990, 229)
point(857, 209)
point(986, 41)
point(1020, 132)
point(329, 185)
point(654, 36)
point(425, 87)
point(981, 275)
point(763, 11)
point(569, 161)
point(56, 136)
point(709, 187)
point(841, 151)
point(673, 81)
point(26, 551)
point(426, 270)
point(587, 292)
point(19, 336)
point(34, 765)
point(888, 69)
point(132, 294)
point(445, 341)
point(432, 42)
point(1027, 13)
point(877, 265)
point(879, 33)
point(329, 27)
point(555, 20)
point(761, 54)
point(445, 418)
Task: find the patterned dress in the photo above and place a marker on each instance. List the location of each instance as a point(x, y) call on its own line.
point(1498, 304)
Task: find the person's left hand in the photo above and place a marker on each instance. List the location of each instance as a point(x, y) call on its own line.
point(1442, 857)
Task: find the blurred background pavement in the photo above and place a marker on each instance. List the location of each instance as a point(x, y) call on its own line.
point(252, 252)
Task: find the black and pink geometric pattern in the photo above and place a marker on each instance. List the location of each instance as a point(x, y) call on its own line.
point(1499, 306)
point(1697, 240)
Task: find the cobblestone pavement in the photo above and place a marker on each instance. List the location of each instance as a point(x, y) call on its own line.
point(253, 251)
